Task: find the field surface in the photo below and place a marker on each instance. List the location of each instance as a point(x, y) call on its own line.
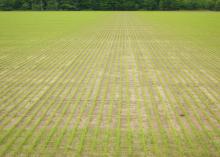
point(110, 84)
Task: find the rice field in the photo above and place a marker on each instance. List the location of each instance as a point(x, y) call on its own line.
point(110, 84)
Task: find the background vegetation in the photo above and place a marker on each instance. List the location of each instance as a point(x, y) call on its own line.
point(109, 4)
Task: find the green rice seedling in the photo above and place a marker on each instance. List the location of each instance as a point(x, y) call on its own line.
point(109, 84)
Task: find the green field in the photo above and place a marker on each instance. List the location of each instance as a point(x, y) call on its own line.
point(110, 84)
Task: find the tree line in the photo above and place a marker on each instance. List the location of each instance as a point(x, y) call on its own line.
point(109, 5)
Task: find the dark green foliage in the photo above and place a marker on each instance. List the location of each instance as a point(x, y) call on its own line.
point(51, 5)
point(7, 4)
point(217, 5)
point(66, 4)
point(109, 4)
point(150, 5)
